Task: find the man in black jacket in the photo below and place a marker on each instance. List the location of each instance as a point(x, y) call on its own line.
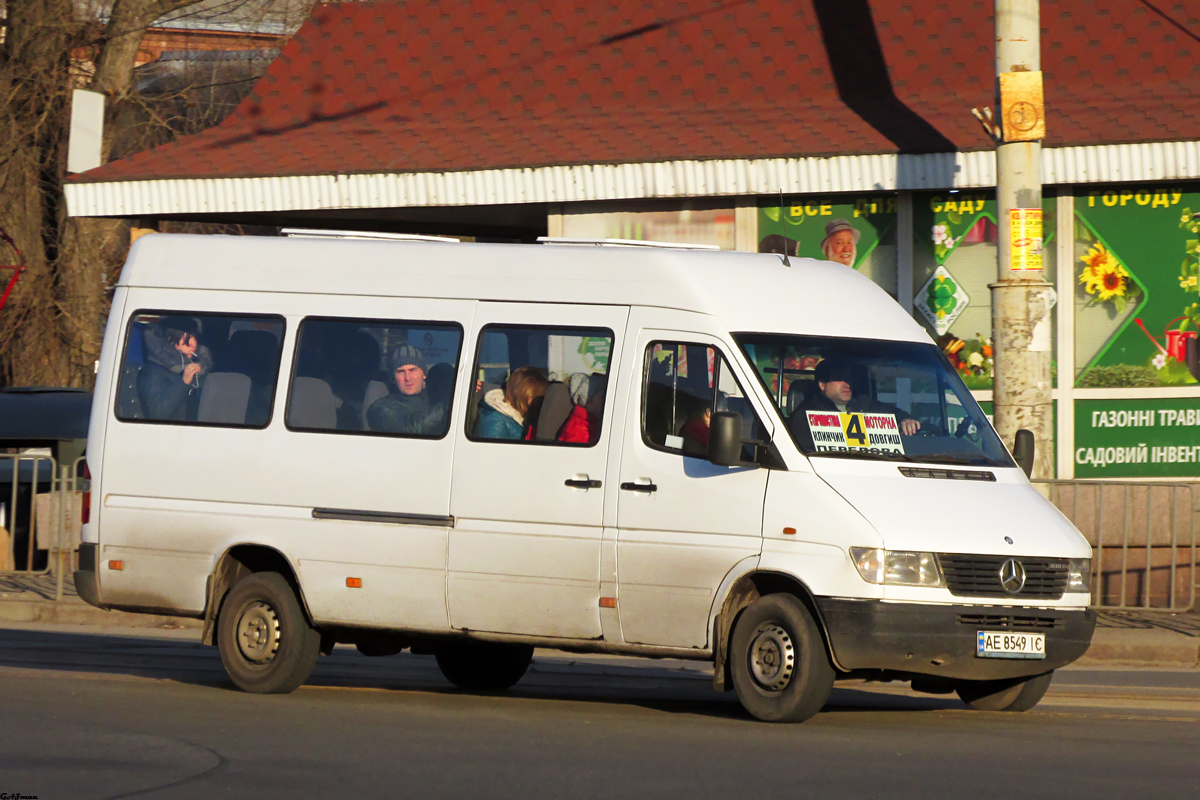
point(410, 409)
point(175, 365)
point(835, 392)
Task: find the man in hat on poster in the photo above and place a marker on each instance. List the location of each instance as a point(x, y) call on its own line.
point(841, 242)
point(410, 409)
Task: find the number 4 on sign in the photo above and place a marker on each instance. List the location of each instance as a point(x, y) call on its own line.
point(854, 430)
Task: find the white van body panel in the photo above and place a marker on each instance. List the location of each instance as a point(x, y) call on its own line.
point(254, 472)
point(826, 526)
point(915, 514)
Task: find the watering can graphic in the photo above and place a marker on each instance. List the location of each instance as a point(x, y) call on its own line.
point(1176, 340)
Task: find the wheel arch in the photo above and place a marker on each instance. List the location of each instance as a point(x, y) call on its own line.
point(744, 591)
point(234, 564)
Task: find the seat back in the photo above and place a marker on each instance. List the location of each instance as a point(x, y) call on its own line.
point(312, 404)
point(224, 398)
point(375, 390)
point(556, 407)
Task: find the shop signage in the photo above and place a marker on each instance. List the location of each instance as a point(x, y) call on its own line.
point(845, 231)
point(1150, 438)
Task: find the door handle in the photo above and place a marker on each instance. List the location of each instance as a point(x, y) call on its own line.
point(630, 486)
point(582, 483)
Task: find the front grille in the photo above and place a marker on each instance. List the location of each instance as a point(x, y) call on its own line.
point(1008, 621)
point(979, 576)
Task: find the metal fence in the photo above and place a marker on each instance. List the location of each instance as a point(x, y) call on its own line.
point(40, 521)
point(1143, 537)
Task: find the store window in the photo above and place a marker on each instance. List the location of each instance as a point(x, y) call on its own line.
point(955, 258)
point(716, 227)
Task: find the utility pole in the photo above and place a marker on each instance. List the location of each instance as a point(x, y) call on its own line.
point(1021, 297)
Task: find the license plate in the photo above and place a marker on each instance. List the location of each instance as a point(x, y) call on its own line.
point(1005, 644)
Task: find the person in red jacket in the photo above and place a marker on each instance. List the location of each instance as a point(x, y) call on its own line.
point(583, 423)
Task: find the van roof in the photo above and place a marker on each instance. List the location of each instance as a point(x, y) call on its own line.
point(748, 291)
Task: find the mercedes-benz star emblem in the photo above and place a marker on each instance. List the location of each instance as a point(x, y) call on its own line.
point(1012, 576)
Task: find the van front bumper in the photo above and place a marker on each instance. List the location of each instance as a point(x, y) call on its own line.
point(940, 640)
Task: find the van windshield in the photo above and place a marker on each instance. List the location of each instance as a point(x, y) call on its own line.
point(862, 398)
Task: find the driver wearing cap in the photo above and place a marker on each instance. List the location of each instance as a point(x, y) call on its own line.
point(835, 379)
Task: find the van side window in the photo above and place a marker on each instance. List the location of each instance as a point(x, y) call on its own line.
point(386, 377)
point(684, 384)
point(540, 385)
point(195, 368)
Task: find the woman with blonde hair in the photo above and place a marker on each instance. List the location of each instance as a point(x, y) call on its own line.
point(503, 412)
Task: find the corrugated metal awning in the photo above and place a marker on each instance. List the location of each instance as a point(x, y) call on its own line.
point(1122, 163)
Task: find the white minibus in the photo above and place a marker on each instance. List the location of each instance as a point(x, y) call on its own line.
point(473, 450)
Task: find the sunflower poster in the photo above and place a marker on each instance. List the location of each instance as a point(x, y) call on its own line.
point(1136, 285)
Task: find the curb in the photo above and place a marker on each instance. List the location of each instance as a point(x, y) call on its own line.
point(1142, 647)
point(78, 613)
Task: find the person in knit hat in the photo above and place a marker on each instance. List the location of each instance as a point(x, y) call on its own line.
point(583, 423)
point(410, 409)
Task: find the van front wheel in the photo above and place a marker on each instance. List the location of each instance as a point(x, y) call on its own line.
point(1009, 695)
point(778, 662)
point(484, 666)
point(266, 644)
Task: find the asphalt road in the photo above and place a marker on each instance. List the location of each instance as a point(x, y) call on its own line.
point(88, 713)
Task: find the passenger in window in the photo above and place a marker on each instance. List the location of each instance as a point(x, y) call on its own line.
point(411, 409)
point(583, 423)
point(173, 368)
point(695, 430)
point(503, 413)
point(835, 392)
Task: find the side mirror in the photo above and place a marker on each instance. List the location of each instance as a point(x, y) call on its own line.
point(1023, 448)
point(725, 439)
point(1193, 357)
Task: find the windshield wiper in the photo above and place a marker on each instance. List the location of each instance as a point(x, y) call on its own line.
point(954, 458)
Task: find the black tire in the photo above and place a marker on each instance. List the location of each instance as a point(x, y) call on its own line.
point(1019, 694)
point(266, 644)
point(780, 669)
point(484, 666)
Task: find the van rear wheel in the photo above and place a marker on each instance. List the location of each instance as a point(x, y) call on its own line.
point(484, 666)
point(1019, 694)
point(778, 662)
point(266, 644)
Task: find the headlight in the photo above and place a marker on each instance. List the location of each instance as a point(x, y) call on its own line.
point(1079, 575)
point(897, 567)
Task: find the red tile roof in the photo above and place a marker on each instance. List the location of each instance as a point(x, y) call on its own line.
point(441, 85)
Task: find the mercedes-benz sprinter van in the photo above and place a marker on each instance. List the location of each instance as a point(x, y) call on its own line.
point(473, 450)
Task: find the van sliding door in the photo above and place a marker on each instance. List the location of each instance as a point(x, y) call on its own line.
point(529, 470)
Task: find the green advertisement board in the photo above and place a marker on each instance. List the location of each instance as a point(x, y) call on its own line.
point(1136, 285)
point(1150, 438)
point(845, 230)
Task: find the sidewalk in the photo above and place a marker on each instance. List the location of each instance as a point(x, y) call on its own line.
point(1132, 639)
